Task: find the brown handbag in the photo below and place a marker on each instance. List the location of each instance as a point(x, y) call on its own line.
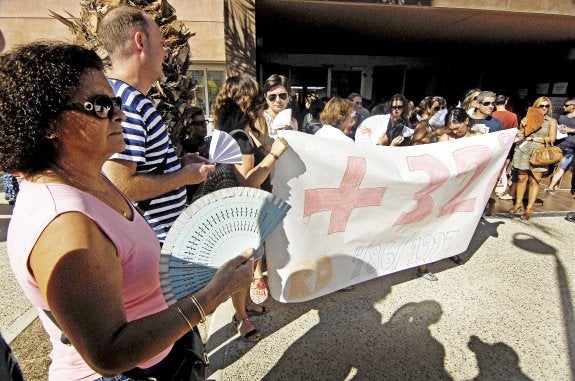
point(546, 155)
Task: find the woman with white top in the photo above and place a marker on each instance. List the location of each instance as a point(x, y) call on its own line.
point(338, 117)
point(276, 91)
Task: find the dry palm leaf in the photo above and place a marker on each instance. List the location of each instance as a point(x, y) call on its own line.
point(174, 93)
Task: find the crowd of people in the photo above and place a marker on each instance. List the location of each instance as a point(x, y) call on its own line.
point(396, 122)
point(102, 180)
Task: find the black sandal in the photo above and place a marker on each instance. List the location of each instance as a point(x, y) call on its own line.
point(251, 312)
point(253, 335)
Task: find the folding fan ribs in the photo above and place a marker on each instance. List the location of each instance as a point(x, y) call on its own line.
point(213, 230)
point(535, 119)
point(224, 149)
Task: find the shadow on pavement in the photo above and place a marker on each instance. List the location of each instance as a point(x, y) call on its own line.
point(342, 347)
point(349, 339)
point(496, 361)
point(534, 245)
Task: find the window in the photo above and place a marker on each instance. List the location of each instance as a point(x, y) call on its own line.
point(209, 82)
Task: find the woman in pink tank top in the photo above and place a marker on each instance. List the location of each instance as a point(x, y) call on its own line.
point(77, 246)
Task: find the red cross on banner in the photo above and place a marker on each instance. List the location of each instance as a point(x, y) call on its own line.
point(341, 201)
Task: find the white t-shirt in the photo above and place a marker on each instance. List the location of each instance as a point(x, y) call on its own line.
point(327, 131)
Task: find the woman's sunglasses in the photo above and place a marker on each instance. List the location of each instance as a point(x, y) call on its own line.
point(101, 106)
point(437, 108)
point(544, 106)
point(272, 97)
point(397, 107)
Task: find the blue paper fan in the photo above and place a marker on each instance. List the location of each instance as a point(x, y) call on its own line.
point(213, 230)
point(224, 149)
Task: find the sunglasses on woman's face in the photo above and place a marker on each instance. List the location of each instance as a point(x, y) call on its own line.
point(101, 106)
point(437, 108)
point(398, 107)
point(272, 97)
point(544, 106)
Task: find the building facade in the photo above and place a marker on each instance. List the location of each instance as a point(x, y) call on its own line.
point(374, 47)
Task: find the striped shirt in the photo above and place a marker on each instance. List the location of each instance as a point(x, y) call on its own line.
point(148, 145)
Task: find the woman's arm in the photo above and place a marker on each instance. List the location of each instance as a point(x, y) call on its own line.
point(253, 176)
point(552, 130)
point(80, 277)
point(420, 134)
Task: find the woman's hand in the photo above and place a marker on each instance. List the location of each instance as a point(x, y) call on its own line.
point(234, 275)
point(383, 140)
point(396, 141)
point(279, 146)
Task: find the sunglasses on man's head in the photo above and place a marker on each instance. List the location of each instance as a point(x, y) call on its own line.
point(544, 106)
point(272, 97)
point(101, 106)
point(437, 108)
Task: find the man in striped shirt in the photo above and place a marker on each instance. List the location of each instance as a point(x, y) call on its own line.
point(148, 170)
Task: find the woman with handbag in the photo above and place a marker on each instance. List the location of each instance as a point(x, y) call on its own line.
point(530, 141)
point(77, 246)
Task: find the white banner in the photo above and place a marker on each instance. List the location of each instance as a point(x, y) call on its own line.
point(361, 211)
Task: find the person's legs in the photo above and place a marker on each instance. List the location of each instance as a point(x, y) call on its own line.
point(259, 283)
point(563, 165)
point(241, 320)
point(252, 308)
point(423, 271)
point(534, 179)
point(522, 177)
point(10, 187)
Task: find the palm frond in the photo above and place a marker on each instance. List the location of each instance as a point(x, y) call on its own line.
point(174, 93)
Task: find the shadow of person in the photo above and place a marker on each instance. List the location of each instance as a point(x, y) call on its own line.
point(341, 311)
point(483, 231)
point(350, 342)
point(496, 361)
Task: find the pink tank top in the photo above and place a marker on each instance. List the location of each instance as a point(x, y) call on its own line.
point(137, 248)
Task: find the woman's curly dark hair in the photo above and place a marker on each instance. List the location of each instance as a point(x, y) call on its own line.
point(238, 104)
point(36, 82)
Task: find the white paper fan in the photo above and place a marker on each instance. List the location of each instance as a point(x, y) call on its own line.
point(372, 129)
point(213, 230)
point(282, 120)
point(224, 149)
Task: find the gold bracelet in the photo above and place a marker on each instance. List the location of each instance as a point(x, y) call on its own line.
point(185, 318)
point(276, 157)
point(198, 307)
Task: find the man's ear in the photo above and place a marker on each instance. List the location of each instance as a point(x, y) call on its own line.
point(139, 40)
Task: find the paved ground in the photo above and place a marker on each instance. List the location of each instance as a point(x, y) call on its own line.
point(506, 314)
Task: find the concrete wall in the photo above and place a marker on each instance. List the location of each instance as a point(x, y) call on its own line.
point(559, 7)
point(205, 18)
point(24, 21)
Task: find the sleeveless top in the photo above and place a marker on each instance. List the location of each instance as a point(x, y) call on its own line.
point(137, 248)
